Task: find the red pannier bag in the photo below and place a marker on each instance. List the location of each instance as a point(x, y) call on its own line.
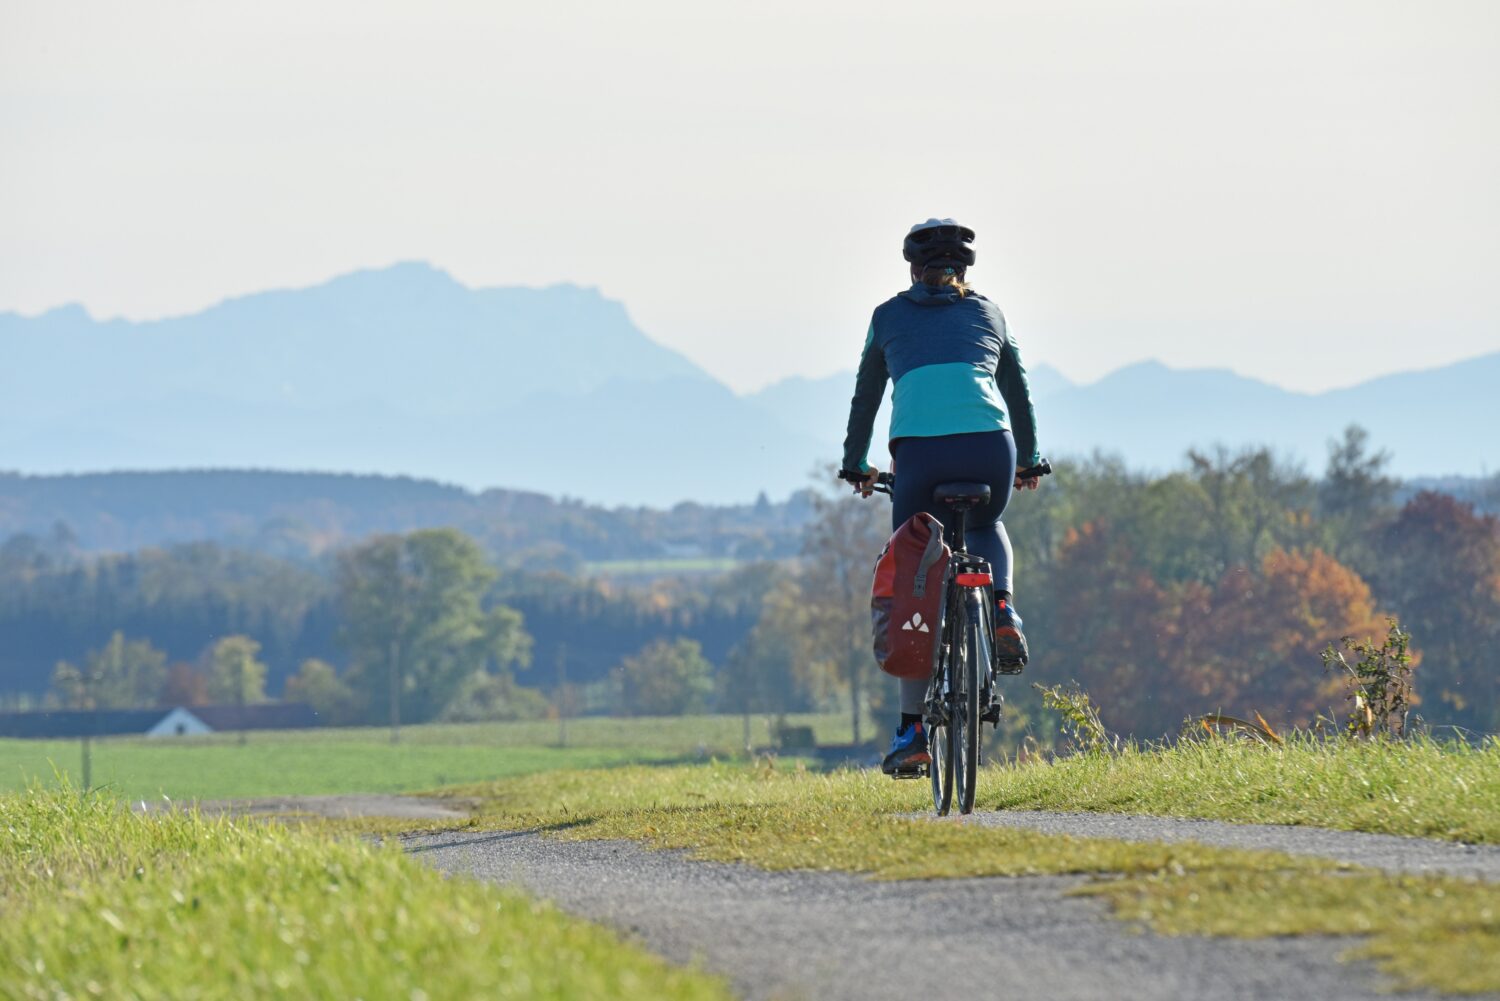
point(907, 595)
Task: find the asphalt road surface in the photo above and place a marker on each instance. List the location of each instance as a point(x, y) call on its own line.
point(833, 936)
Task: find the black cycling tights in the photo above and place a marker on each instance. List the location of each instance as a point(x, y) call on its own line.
point(921, 464)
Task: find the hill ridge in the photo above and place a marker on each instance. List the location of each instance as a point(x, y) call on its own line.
point(402, 369)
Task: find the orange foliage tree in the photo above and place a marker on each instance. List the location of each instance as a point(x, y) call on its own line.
point(185, 686)
point(1441, 571)
point(1252, 643)
point(1151, 656)
point(1103, 617)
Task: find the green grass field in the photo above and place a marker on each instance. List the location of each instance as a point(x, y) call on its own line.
point(328, 761)
point(100, 902)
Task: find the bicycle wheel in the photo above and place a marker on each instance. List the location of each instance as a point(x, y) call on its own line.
point(965, 716)
point(939, 746)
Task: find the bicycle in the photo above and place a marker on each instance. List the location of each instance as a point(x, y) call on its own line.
point(961, 695)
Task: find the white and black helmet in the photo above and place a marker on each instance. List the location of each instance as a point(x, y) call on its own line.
point(939, 242)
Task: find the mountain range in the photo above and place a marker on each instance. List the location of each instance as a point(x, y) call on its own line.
point(404, 370)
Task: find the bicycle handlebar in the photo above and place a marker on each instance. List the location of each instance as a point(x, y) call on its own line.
point(855, 476)
point(884, 481)
point(1036, 472)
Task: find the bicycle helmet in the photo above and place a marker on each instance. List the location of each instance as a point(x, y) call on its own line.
point(939, 242)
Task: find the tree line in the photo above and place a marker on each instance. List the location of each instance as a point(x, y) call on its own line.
point(1214, 587)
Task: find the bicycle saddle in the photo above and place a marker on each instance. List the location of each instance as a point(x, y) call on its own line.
point(962, 496)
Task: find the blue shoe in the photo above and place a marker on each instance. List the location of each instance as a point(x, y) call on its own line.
point(1011, 652)
point(908, 750)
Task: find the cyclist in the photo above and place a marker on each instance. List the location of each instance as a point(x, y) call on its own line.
point(960, 411)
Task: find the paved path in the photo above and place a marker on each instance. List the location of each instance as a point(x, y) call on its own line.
point(781, 936)
point(1380, 851)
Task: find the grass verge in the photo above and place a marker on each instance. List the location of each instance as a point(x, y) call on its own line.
point(1441, 934)
point(1422, 787)
point(99, 902)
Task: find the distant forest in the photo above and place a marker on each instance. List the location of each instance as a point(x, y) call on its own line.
point(1214, 587)
point(302, 516)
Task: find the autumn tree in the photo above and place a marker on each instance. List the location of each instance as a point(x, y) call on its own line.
point(1101, 620)
point(120, 675)
point(1254, 642)
point(185, 686)
point(1152, 655)
point(1441, 574)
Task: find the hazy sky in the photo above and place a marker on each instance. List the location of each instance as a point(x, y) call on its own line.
point(1304, 191)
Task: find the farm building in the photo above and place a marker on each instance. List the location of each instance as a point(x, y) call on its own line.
point(174, 721)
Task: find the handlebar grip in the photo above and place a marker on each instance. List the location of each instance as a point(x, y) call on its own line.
point(882, 485)
point(1036, 472)
point(855, 476)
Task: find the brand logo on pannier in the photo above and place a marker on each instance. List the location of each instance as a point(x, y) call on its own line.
point(915, 622)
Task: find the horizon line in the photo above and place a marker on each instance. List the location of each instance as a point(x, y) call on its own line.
point(423, 263)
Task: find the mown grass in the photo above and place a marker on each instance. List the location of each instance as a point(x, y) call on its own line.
point(1441, 934)
point(99, 902)
point(1431, 932)
point(329, 761)
point(139, 770)
point(1421, 787)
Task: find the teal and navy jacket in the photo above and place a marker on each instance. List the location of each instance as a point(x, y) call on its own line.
point(955, 367)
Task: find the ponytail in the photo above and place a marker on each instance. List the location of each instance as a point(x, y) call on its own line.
point(941, 275)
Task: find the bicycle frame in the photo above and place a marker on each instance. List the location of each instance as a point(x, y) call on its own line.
point(961, 564)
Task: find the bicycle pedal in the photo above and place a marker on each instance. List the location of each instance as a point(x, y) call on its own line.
point(991, 715)
point(919, 772)
point(1012, 668)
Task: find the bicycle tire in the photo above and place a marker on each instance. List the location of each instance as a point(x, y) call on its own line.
point(940, 769)
point(965, 725)
point(939, 737)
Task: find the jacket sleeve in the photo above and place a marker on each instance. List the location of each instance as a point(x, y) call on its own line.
point(1010, 376)
point(869, 389)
